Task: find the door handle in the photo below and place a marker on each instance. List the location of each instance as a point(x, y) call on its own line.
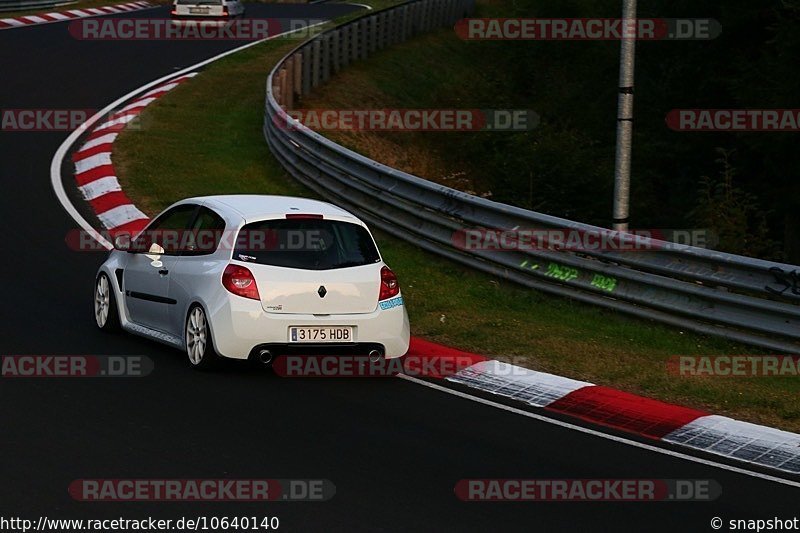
point(163, 271)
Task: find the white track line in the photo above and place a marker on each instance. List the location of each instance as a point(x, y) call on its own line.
point(595, 433)
point(58, 157)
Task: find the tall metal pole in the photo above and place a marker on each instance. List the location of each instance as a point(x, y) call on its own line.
point(622, 165)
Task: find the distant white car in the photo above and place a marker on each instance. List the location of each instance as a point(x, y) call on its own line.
point(206, 9)
point(246, 276)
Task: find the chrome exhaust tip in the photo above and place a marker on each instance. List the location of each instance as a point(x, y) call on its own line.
point(375, 356)
point(265, 356)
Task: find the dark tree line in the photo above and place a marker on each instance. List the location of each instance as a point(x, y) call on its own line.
point(744, 186)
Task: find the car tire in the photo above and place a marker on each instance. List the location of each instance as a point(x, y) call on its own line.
point(197, 339)
point(106, 315)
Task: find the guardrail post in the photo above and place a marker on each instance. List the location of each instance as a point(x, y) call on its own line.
point(316, 48)
point(404, 26)
point(391, 18)
point(455, 11)
point(276, 89)
point(372, 34)
point(363, 48)
point(388, 39)
point(382, 30)
point(379, 29)
point(336, 44)
point(345, 46)
point(288, 84)
point(286, 94)
point(355, 43)
point(306, 70)
point(325, 58)
point(297, 59)
point(394, 26)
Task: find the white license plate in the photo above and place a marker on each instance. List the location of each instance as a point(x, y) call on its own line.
point(321, 334)
point(198, 10)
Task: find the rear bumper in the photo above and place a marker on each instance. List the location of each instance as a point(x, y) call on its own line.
point(217, 19)
point(239, 326)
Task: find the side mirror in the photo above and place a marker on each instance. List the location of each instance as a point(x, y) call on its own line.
point(122, 242)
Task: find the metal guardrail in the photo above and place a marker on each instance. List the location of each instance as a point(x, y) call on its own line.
point(22, 5)
point(739, 298)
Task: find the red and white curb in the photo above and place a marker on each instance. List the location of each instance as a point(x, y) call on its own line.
point(94, 169)
point(644, 417)
point(45, 18)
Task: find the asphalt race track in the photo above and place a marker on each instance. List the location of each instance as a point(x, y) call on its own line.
point(393, 449)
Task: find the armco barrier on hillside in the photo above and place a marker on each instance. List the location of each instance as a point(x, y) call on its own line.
point(739, 298)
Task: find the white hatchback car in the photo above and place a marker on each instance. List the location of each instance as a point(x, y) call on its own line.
point(246, 276)
point(206, 9)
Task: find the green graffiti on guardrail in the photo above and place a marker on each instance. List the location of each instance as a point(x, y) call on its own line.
point(605, 283)
point(561, 272)
point(565, 273)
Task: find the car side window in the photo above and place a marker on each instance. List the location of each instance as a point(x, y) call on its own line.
point(206, 233)
point(168, 231)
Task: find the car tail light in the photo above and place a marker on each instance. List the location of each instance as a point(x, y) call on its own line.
point(389, 285)
point(302, 215)
point(174, 12)
point(224, 11)
point(240, 281)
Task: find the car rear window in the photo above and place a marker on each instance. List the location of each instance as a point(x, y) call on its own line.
point(309, 244)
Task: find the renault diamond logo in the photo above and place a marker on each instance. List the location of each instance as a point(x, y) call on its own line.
point(322, 291)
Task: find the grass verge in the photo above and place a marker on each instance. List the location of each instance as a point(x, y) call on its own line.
point(192, 148)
